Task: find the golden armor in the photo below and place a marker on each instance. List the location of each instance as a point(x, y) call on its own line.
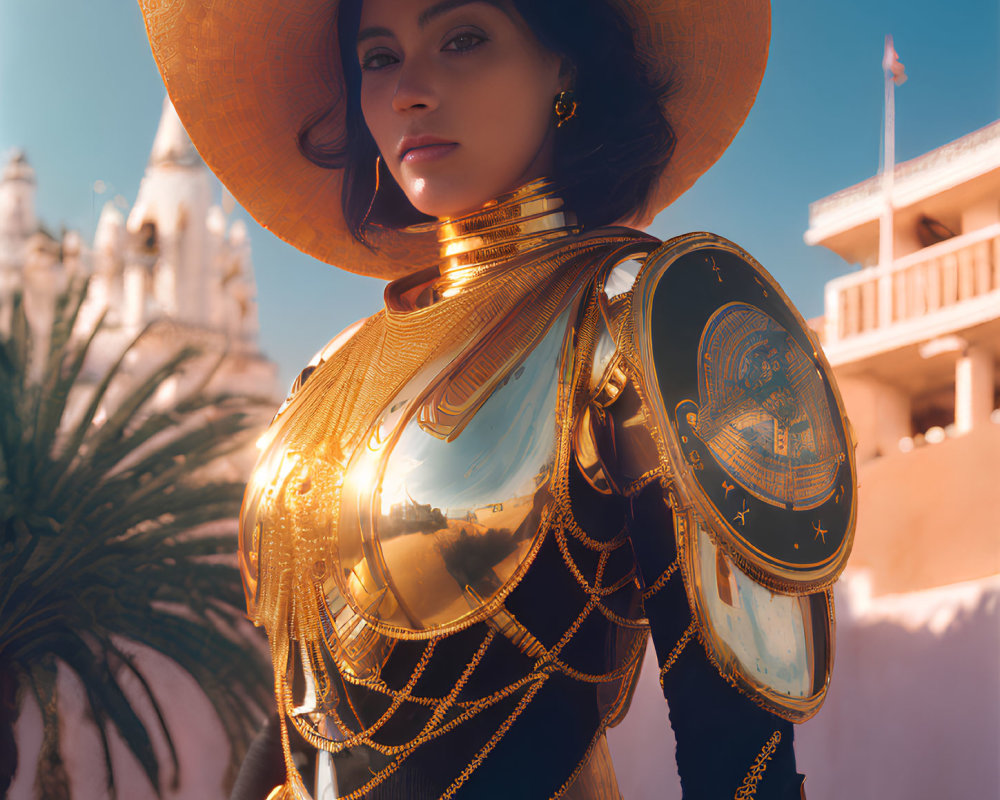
point(439, 479)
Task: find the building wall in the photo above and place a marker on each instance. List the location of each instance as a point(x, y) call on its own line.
point(913, 710)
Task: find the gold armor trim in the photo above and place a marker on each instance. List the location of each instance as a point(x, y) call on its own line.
point(594, 778)
point(676, 650)
point(586, 451)
point(661, 581)
point(474, 247)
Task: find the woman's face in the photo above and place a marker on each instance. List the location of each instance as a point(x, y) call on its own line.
point(458, 96)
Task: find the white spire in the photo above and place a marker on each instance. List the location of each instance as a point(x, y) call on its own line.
point(18, 168)
point(109, 237)
point(169, 217)
point(172, 146)
point(17, 198)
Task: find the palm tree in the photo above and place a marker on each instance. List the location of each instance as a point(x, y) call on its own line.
point(106, 540)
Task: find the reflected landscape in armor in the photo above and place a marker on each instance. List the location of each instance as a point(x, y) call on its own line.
point(434, 523)
point(778, 646)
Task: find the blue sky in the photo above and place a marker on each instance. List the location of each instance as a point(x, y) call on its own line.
point(79, 91)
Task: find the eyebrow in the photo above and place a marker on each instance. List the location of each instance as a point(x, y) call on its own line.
point(371, 33)
point(427, 15)
point(443, 7)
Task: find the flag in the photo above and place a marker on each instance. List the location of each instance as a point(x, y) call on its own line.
point(891, 63)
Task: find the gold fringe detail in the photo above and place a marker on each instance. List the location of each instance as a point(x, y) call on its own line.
point(676, 652)
point(748, 789)
point(594, 777)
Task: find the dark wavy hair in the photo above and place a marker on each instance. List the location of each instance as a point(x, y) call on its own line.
point(607, 157)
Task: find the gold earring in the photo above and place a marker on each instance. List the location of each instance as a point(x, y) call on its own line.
point(378, 162)
point(565, 107)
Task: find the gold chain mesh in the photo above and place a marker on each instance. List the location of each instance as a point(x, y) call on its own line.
point(325, 421)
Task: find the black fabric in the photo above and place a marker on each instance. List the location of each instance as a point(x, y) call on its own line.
point(264, 766)
point(719, 731)
point(548, 738)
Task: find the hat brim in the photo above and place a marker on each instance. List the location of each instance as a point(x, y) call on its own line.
point(244, 76)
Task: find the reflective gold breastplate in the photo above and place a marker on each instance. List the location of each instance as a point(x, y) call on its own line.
point(403, 492)
point(442, 504)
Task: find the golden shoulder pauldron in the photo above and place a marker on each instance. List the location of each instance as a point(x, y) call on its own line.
point(732, 406)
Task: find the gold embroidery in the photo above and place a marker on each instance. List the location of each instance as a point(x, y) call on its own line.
point(676, 652)
point(748, 789)
point(660, 582)
point(494, 739)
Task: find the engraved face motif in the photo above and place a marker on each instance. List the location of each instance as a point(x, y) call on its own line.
point(763, 411)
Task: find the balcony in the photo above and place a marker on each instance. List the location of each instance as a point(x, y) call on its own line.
point(938, 290)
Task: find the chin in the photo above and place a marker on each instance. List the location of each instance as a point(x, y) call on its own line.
point(442, 198)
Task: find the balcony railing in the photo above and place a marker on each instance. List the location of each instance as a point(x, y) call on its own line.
point(940, 281)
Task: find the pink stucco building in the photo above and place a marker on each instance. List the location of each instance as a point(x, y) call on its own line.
point(913, 335)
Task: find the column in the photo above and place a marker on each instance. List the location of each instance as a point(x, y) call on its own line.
point(974, 389)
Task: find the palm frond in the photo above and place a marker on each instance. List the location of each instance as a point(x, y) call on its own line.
point(110, 533)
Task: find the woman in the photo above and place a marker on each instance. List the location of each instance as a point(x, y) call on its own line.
point(476, 504)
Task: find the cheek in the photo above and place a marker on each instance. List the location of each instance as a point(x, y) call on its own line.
point(377, 112)
point(514, 121)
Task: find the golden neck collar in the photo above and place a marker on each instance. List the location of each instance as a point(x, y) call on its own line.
point(475, 245)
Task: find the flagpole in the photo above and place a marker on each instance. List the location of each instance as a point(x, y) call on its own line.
point(889, 160)
point(886, 232)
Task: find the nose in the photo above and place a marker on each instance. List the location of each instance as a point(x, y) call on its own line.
point(415, 87)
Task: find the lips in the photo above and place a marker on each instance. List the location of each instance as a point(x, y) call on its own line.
point(413, 149)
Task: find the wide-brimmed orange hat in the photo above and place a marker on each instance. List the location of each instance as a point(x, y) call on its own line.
point(245, 75)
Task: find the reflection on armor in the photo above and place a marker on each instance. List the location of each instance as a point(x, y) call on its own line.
point(763, 409)
point(434, 526)
point(778, 646)
point(605, 349)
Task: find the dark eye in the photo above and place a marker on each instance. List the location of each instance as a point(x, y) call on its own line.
point(465, 41)
point(376, 60)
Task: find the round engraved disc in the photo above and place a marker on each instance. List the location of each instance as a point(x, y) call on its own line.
point(762, 410)
point(753, 423)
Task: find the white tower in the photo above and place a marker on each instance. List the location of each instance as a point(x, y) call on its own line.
point(165, 272)
point(17, 223)
point(177, 267)
point(17, 198)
